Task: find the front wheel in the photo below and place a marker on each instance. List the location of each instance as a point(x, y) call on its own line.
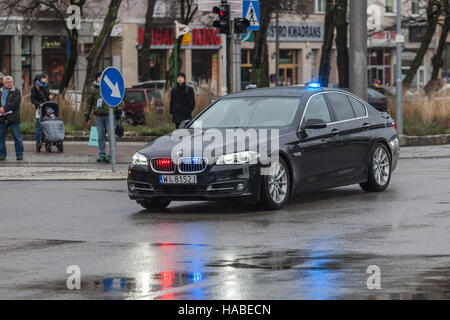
point(276, 186)
point(379, 170)
point(154, 204)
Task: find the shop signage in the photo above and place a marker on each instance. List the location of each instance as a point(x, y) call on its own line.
point(297, 32)
point(164, 36)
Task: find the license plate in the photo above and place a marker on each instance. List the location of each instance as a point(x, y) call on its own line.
point(178, 179)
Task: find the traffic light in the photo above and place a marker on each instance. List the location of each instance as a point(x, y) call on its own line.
point(241, 25)
point(224, 18)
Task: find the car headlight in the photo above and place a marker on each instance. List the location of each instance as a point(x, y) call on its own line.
point(237, 158)
point(139, 160)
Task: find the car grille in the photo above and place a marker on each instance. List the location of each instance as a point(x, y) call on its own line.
point(163, 165)
point(192, 165)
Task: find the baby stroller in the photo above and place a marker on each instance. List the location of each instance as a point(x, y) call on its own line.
point(52, 128)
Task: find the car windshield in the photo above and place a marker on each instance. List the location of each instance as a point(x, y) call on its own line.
point(249, 112)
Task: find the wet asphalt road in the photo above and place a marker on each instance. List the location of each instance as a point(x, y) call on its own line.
point(318, 247)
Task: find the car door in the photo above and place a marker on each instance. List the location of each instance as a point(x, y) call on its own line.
point(353, 126)
point(316, 148)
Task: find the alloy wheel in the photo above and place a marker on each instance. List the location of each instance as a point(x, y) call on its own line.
point(278, 182)
point(381, 166)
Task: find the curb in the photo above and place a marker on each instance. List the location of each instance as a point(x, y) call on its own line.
point(405, 141)
point(29, 137)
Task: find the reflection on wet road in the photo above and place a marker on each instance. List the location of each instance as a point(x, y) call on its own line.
point(318, 247)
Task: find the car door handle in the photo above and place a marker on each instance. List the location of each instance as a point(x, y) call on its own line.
point(335, 132)
point(366, 126)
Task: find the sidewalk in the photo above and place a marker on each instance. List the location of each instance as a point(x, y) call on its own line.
point(79, 162)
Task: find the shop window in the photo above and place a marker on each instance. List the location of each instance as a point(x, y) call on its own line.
point(246, 67)
point(5, 55)
point(27, 77)
point(202, 67)
point(157, 65)
point(54, 57)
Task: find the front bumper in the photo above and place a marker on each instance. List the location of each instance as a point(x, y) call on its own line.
point(216, 182)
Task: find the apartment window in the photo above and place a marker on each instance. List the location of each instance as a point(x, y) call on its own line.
point(390, 6)
point(415, 6)
point(320, 6)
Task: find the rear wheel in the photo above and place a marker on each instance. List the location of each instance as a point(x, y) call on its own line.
point(276, 186)
point(379, 170)
point(48, 147)
point(153, 204)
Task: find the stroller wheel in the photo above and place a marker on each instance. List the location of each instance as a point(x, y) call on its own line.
point(48, 147)
point(60, 147)
point(38, 146)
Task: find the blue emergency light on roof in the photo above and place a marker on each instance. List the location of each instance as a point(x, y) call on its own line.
point(313, 85)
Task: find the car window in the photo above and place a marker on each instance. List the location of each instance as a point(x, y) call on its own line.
point(341, 106)
point(134, 97)
point(374, 93)
point(358, 107)
point(156, 94)
point(317, 109)
point(249, 112)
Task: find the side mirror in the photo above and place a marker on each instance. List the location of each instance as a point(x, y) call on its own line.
point(314, 124)
point(183, 124)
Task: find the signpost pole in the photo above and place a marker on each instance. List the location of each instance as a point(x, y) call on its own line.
point(112, 138)
point(277, 45)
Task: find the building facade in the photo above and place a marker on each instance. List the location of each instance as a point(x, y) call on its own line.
point(26, 50)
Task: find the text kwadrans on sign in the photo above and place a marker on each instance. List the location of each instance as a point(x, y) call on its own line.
point(296, 32)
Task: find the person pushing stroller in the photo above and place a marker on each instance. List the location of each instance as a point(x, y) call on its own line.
point(39, 94)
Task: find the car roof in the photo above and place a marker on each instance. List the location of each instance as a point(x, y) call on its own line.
point(289, 91)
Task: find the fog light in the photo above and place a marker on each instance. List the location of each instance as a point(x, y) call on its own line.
point(132, 187)
point(240, 187)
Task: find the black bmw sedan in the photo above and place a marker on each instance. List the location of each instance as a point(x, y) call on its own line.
point(267, 145)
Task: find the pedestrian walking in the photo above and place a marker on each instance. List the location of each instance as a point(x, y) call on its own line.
point(96, 103)
point(39, 94)
point(10, 99)
point(182, 101)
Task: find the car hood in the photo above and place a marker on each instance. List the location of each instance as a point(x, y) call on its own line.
point(187, 140)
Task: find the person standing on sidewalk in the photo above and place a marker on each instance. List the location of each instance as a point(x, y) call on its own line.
point(182, 101)
point(1, 80)
point(39, 95)
point(10, 99)
point(101, 112)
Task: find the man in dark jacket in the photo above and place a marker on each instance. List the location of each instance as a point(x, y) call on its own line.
point(10, 99)
point(101, 111)
point(39, 94)
point(182, 101)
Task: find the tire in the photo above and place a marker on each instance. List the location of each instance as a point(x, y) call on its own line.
point(61, 147)
point(48, 147)
point(154, 204)
point(276, 188)
point(379, 173)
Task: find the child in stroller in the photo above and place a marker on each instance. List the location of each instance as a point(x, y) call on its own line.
point(52, 128)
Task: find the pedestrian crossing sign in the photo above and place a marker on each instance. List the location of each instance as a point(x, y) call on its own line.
point(251, 13)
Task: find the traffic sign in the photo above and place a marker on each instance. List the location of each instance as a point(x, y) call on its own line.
point(112, 87)
point(251, 13)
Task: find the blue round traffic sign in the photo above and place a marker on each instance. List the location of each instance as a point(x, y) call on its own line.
point(112, 87)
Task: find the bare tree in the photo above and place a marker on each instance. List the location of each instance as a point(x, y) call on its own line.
point(342, 43)
point(145, 54)
point(437, 58)
point(51, 11)
point(327, 45)
point(96, 54)
point(260, 74)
